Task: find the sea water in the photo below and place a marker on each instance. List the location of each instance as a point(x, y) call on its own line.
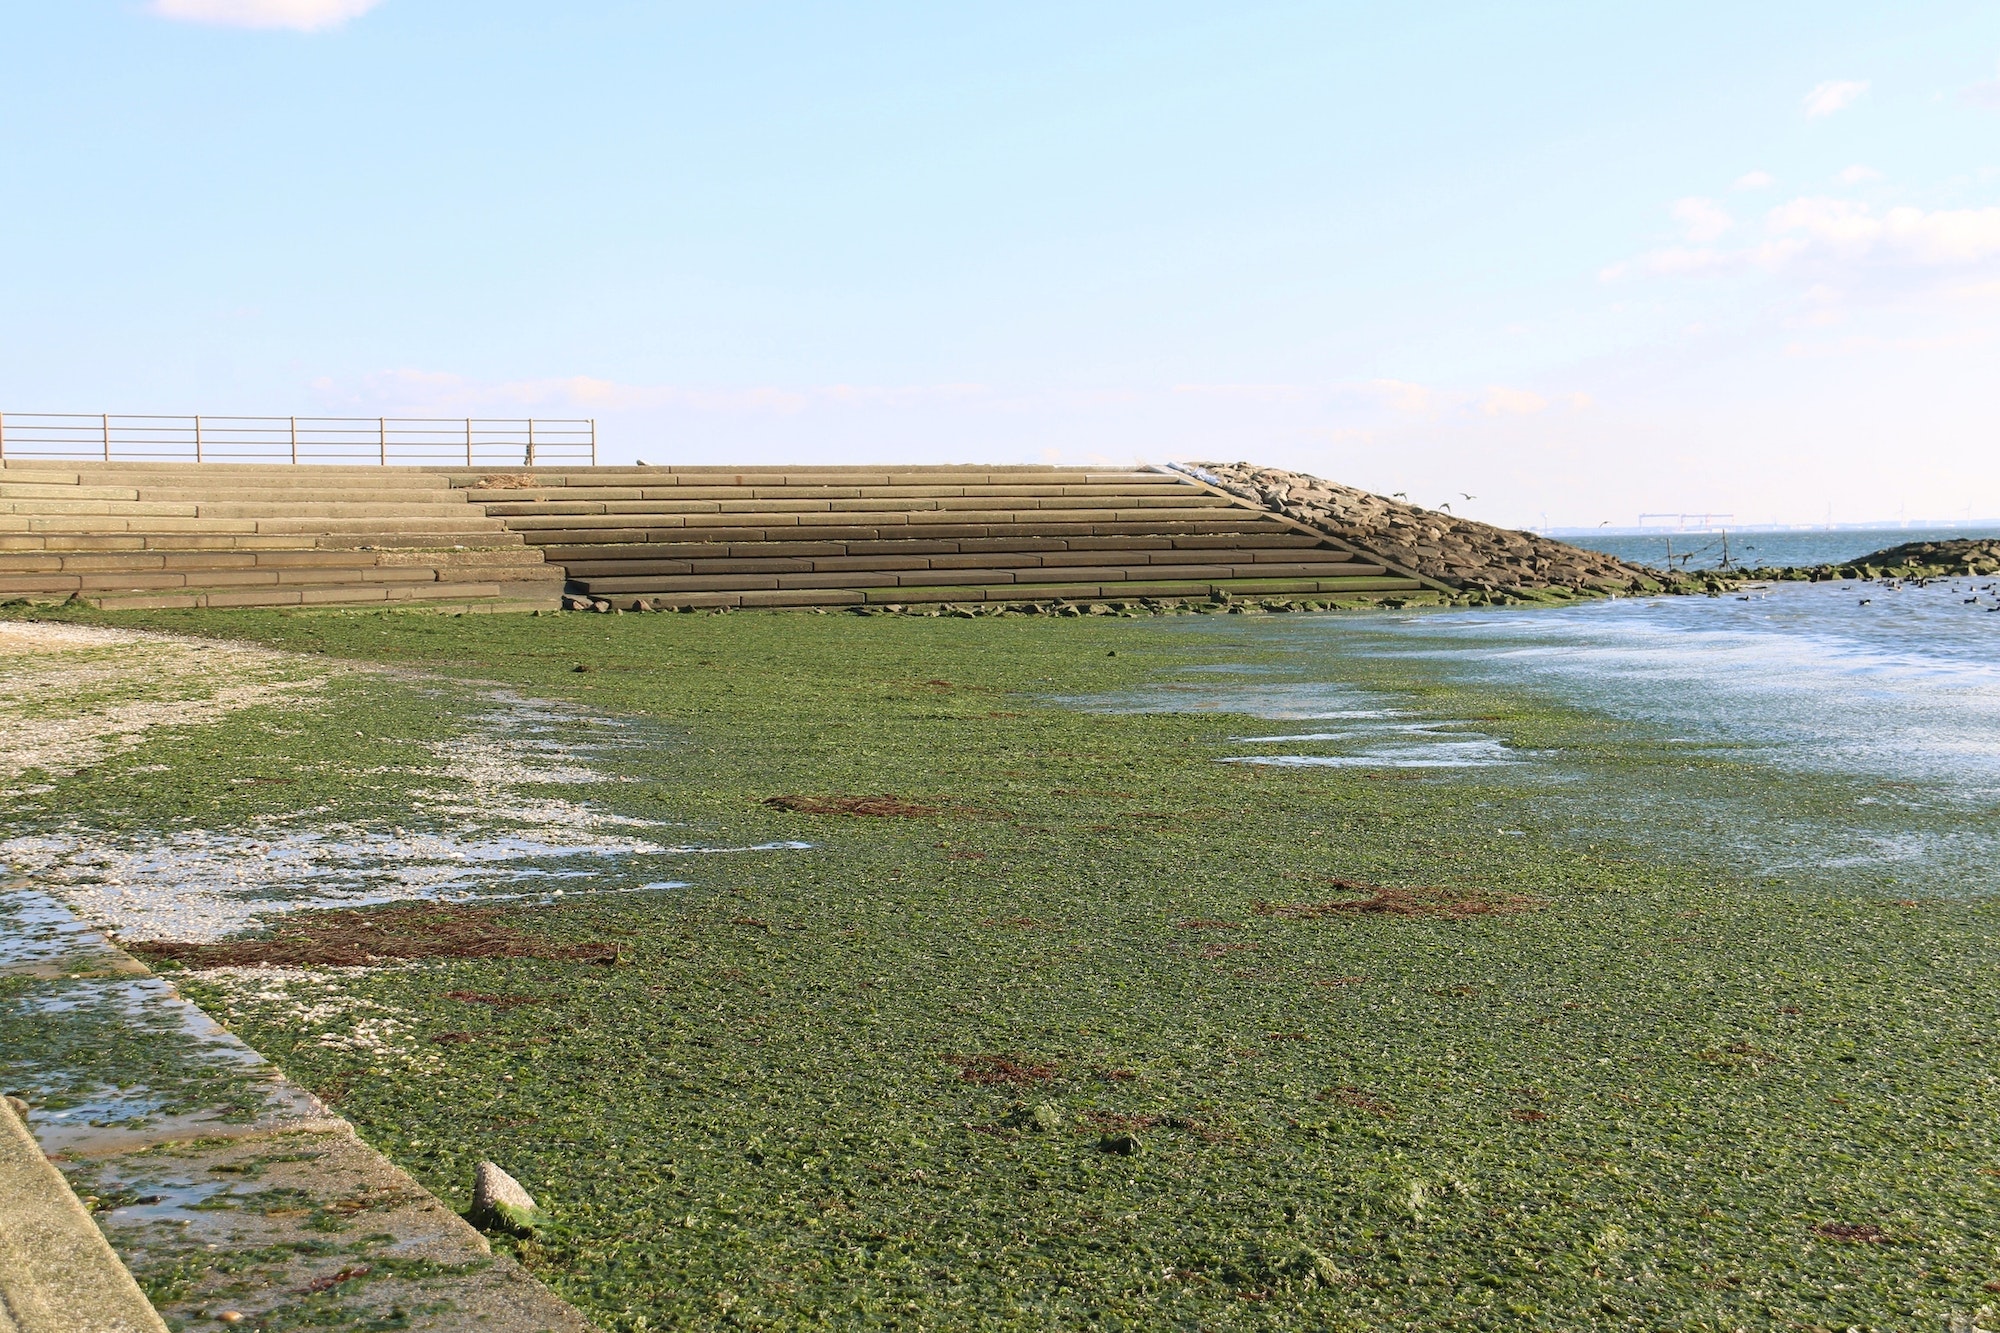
point(1769, 550)
point(1843, 730)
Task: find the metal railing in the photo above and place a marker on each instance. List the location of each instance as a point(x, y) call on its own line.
point(112, 437)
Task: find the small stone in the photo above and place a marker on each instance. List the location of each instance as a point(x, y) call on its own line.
point(1124, 1145)
point(20, 1106)
point(499, 1201)
point(1041, 1118)
point(231, 1316)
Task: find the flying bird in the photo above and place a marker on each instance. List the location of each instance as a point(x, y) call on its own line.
point(1469, 497)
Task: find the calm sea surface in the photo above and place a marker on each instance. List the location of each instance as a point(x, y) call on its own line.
point(1772, 549)
point(1842, 730)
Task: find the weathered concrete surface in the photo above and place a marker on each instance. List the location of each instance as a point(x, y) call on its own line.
point(318, 1228)
point(223, 1187)
point(57, 1273)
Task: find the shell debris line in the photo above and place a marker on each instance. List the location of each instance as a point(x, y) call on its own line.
point(493, 812)
point(72, 695)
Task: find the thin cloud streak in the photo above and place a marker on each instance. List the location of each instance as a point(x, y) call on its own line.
point(296, 15)
point(1833, 95)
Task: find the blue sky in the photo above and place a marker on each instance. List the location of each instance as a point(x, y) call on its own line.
point(1581, 261)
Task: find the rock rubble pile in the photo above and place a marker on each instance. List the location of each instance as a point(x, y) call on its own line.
point(1456, 551)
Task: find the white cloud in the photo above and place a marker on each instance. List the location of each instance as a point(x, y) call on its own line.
point(1985, 94)
point(1942, 236)
point(1833, 95)
point(1702, 219)
point(1858, 175)
point(1416, 399)
point(1755, 180)
point(1503, 401)
point(300, 15)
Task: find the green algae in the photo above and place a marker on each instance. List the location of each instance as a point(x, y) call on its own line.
point(1669, 1096)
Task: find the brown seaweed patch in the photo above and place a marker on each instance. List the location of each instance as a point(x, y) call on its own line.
point(873, 807)
point(496, 1001)
point(1378, 900)
point(997, 1069)
point(1853, 1233)
point(359, 939)
point(1360, 1100)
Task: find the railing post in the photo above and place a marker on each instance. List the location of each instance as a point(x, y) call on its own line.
point(531, 441)
point(468, 441)
point(107, 437)
point(3, 434)
point(197, 437)
point(382, 438)
point(593, 441)
point(295, 441)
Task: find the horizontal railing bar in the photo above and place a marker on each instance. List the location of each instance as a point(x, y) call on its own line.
point(237, 437)
point(579, 422)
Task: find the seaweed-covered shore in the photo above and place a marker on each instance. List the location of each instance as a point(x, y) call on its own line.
point(1049, 1017)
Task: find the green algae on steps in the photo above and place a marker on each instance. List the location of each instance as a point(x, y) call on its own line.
point(1668, 1097)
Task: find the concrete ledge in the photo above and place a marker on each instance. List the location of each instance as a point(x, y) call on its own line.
point(57, 1272)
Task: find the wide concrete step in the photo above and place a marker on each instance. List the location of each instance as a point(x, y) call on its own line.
point(71, 472)
point(704, 581)
point(889, 532)
point(971, 506)
point(831, 564)
point(897, 517)
point(1359, 588)
point(140, 561)
point(94, 575)
point(371, 509)
point(968, 474)
point(592, 494)
point(470, 595)
point(251, 541)
point(1283, 539)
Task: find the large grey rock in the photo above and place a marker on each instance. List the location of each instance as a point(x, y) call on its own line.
point(499, 1201)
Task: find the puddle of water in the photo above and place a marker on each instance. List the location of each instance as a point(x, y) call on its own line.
point(1479, 753)
point(1370, 717)
point(39, 935)
point(1304, 701)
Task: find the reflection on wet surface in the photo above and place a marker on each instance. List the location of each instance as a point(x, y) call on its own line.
point(499, 817)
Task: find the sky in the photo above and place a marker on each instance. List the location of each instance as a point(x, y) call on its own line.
point(1550, 263)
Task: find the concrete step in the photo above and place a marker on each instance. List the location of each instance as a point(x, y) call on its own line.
point(276, 508)
point(483, 596)
point(273, 495)
point(141, 561)
point(355, 571)
point(566, 494)
point(830, 564)
point(703, 581)
point(1274, 540)
point(967, 474)
point(1224, 524)
point(781, 503)
point(900, 518)
point(238, 541)
point(1359, 588)
point(72, 472)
